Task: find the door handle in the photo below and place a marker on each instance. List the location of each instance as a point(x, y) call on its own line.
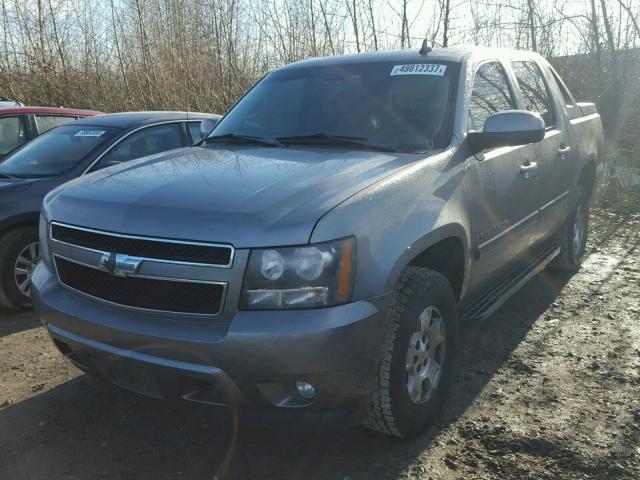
point(563, 150)
point(527, 167)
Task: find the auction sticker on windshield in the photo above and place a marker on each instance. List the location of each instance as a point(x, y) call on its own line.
point(89, 133)
point(419, 69)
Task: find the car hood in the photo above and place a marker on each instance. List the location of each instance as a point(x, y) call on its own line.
point(7, 184)
point(249, 196)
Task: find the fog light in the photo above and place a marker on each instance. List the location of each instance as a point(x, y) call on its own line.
point(305, 390)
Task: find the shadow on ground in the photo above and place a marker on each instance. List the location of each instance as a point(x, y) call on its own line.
point(12, 321)
point(86, 429)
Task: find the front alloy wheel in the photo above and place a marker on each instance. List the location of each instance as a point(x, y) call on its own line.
point(27, 259)
point(425, 356)
point(19, 254)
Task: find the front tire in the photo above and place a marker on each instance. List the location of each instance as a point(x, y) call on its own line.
point(417, 359)
point(19, 253)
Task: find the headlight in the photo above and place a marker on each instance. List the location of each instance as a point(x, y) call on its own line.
point(313, 276)
point(43, 237)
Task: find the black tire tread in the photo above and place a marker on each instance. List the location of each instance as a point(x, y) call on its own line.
point(7, 244)
point(378, 414)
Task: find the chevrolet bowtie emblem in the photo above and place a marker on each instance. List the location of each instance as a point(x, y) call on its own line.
point(120, 264)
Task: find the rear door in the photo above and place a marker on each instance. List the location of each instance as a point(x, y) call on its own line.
point(503, 185)
point(13, 133)
point(553, 153)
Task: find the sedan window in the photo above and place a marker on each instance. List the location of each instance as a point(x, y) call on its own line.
point(47, 122)
point(12, 133)
point(144, 142)
point(56, 151)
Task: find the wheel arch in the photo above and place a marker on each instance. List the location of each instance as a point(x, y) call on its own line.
point(445, 250)
point(21, 220)
point(588, 177)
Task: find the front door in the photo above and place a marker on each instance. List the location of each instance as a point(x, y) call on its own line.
point(503, 186)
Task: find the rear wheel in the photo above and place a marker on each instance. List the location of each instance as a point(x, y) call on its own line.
point(19, 254)
point(417, 359)
point(574, 234)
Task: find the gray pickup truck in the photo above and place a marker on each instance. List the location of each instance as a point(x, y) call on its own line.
point(314, 256)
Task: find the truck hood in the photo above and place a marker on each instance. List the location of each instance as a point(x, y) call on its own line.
point(249, 196)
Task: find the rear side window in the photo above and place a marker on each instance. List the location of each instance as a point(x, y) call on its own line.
point(194, 131)
point(47, 122)
point(566, 94)
point(534, 91)
point(144, 142)
point(12, 133)
point(490, 94)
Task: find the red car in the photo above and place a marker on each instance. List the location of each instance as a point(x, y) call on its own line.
point(18, 125)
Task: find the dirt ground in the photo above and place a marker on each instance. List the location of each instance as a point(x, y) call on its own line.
point(549, 388)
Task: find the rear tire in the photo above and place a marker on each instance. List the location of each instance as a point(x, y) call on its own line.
point(574, 234)
point(416, 362)
point(19, 253)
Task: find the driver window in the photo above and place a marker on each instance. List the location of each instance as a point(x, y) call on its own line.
point(145, 142)
point(490, 94)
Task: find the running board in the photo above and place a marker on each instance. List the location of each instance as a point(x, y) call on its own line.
point(489, 303)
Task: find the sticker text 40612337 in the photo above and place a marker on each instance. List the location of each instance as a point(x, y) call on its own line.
point(419, 69)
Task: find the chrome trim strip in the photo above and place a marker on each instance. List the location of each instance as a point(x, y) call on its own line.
point(114, 144)
point(585, 118)
point(141, 309)
point(151, 239)
point(555, 200)
point(507, 230)
point(525, 219)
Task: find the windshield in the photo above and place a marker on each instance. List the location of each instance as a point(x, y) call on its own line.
point(402, 107)
point(56, 151)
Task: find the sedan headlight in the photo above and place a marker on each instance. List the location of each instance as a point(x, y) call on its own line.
point(312, 276)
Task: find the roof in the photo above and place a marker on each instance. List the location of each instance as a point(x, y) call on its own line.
point(47, 111)
point(135, 119)
point(454, 54)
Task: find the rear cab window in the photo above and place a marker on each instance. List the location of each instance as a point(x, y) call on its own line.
point(535, 92)
point(573, 111)
point(13, 133)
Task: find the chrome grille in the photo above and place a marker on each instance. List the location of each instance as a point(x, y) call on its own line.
point(142, 273)
point(161, 249)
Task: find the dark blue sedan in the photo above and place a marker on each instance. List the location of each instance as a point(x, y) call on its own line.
point(62, 154)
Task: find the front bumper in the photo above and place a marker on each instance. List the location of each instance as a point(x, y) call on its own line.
point(251, 363)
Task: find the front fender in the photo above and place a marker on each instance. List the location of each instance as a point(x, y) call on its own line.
point(397, 218)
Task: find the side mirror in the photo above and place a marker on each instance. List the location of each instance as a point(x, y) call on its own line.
point(510, 128)
point(207, 125)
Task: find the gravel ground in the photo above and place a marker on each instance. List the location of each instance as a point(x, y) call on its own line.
point(549, 388)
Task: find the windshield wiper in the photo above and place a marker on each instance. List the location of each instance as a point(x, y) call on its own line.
point(9, 176)
point(234, 137)
point(327, 139)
